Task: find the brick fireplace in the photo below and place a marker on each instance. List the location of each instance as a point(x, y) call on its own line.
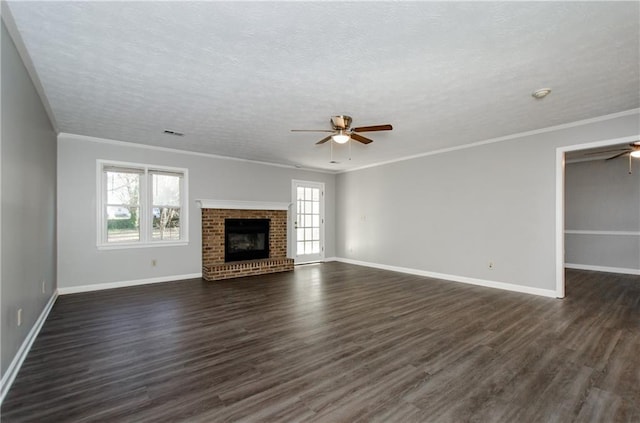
point(214, 214)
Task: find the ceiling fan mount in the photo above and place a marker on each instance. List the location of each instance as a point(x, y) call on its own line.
point(342, 131)
point(341, 122)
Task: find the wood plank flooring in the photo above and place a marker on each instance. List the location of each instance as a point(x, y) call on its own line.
point(336, 343)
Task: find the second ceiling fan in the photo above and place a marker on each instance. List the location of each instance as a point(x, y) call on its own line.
point(342, 131)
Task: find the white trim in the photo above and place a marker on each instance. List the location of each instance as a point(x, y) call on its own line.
point(154, 244)
point(293, 239)
point(560, 231)
point(617, 233)
point(320, 260)
point(242, 205)
point(560, 164)
point(333, 172)
point(602, 268)
point(124, 284)
point(455, 278)
point(14, 367)
point(179, 151)
point(501, 139)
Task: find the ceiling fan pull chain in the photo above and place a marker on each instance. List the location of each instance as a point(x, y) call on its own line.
point(629, 164)
point(349, 148)
point(331, 154)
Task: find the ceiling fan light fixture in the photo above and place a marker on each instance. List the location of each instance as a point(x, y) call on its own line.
point(635, 153)
point(341, 138)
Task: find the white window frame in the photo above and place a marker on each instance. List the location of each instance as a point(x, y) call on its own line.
point(146, 202)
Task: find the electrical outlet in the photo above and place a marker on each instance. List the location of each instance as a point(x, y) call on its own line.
point(154, 262)
point(19, 317)
point(491, 265)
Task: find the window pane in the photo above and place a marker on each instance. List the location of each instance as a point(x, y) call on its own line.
point(307, 248)
point(315, 247)
point(307, 221)
point(300, 236)
point(316, 234)
point(123, 188)
point(307, 207)
point(166, 224)
point(123, 224)
point(307, 193)
point(316, 195)
point(300, 193)
point(307, 234)
point(300, 248)
point(166, 190)
point(316, 221)
point(316, 207)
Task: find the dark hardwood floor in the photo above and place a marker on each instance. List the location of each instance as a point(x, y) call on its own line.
point(336, 343)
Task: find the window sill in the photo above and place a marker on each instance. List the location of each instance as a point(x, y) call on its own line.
point(142, 245)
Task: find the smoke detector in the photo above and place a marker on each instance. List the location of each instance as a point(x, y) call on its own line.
point(541, 93)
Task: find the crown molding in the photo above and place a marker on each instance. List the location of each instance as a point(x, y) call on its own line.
point(502, 139)
point(119, 143)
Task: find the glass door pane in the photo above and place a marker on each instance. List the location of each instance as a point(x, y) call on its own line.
point(308, 221)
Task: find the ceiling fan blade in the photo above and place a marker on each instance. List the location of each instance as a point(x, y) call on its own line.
point(322, 141)
point(311, 130)
point(360, 138)
point(373, 128)
point(618, 155)
point(606, 151)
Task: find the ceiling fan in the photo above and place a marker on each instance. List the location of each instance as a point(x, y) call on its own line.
point(633, 151)
point(342, 131)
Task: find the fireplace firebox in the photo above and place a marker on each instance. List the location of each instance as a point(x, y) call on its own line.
point(246, 239)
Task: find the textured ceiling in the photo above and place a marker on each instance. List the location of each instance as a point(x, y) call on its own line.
point(235, 77)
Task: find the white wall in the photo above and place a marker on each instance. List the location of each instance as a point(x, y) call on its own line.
point(28, 156)
point(80, 263)
point(453, 213)
point(603, 200)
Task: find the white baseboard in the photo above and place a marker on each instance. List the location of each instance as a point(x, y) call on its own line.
point(602, 268)
point(14, 367)
point(455, 278)
point(123, 284)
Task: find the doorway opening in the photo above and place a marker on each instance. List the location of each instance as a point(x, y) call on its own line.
point(560, 199)
point(307, 221)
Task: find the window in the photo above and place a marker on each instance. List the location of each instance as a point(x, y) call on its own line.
point(141, 205)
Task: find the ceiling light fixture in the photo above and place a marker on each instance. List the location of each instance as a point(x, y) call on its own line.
point(541, 93)
point(341, 138)
point(635, 153)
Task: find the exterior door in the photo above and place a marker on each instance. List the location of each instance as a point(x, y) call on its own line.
point(308, 221)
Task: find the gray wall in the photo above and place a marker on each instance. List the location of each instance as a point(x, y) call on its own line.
point(455, 212)
point(28, 213)
point(602, 196)
point(81, 263)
